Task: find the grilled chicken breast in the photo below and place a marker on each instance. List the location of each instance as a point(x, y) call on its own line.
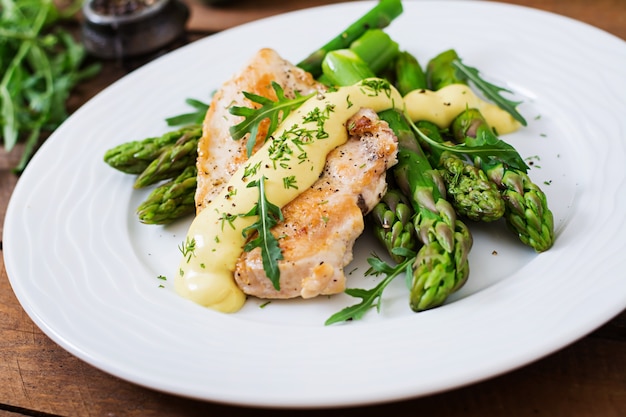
point(321, 225)
point(219, 155)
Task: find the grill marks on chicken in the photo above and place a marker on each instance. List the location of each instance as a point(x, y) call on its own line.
point(219, 155)
point(322, 224)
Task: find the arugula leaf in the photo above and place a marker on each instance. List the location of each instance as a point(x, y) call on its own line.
point(269, 215)
point(272, 110)
point(40, 63)
point(192, 118)
point(486, 146)
point(373, 297)
point(491, 91)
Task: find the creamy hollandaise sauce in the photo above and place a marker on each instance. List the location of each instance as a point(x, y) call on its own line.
point(297, 150)
point(442, 106)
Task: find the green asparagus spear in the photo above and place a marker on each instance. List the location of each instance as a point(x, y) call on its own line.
point(440, 72)
point(380, 16)
point(441, 266)
point(367, 57)
point(344, 67)
point(392, 218)
point(134, 157)
point(527, 211)
point(469, 189)
point(409, 74)
point(377, 49)
point(170, 201)
point(173, 159)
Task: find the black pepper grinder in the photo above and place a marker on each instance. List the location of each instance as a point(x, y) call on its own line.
point(127, 28)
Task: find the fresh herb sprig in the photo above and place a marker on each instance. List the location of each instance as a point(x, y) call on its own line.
point(188, 248)
point(268, 216)
point(373, 297)
point(40, 65)
point(491, 91)
point(275, 111)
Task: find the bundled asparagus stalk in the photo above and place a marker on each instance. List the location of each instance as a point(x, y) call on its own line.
point(526, 208)
point(469, 190)
point(171, 156)
point(527, 211)
point(441, 266)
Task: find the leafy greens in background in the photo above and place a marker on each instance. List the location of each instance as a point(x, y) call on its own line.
point(40, 63)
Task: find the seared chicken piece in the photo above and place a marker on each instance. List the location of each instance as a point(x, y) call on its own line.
point(219, 155)
point(321, 225)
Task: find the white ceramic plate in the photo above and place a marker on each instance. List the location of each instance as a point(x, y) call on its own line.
point(86, 271)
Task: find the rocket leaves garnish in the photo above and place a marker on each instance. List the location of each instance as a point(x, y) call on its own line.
point(372, 298)
point(485, 147)
point(268, 216)
point(490, 91)
point(40, 64)
point(275, 111)
point(191, 118)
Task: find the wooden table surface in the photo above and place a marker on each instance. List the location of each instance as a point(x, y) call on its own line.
point(38, 378)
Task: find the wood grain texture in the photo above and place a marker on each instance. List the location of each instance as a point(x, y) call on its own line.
point(38, 378)
point(608, 15)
